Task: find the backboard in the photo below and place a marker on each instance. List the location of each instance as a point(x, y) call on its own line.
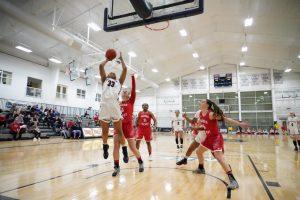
point(121, 14)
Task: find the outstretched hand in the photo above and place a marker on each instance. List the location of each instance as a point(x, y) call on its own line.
point(244, 125)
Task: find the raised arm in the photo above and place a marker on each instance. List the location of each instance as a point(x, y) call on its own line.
point(133, 92)
point(189, 119)
point(124, 70)
point(102, 70)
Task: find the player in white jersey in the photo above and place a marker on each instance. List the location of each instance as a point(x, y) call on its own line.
point(292, 125)
point(109, 107)
point(177, 126)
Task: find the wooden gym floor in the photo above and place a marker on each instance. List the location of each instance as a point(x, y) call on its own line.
point(74, 169)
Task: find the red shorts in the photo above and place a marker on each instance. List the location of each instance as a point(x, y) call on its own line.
point(128, 131)
point(194, 133)
point(144, 132)
point(214, 142)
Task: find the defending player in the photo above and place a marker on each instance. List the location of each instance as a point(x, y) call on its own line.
point(209, 116)
point(127, 106)
point(144, 128)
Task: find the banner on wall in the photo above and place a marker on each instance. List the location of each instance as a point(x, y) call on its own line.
point(168, 100)
point(247, 80)
point(193, 84)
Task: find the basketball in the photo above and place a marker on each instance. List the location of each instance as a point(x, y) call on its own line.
point(110, 54)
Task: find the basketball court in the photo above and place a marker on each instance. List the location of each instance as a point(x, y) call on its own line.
point(83, 82)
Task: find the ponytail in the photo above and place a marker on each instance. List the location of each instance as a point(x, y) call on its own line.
point(218, 112)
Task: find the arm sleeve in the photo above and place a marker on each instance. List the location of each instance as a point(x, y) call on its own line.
point(133, 93)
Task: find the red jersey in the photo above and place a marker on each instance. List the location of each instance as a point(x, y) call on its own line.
point(70, 124)
point(127, 106)
point(144, 119)
point(211, 126)
point(15, 127)
point(193, 124)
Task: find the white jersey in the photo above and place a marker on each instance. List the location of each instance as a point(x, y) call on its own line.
point(110, 90)
point(293, 125)
point(177, 123)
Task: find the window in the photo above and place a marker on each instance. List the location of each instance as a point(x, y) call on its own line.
point(98, 97)
point(61, 91)
point(5, 77)
point(34, 87)
point(257, 108)
point(81, 93)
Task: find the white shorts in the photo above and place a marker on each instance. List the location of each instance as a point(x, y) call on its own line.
point(294, 131)
point(110, 111)
point(177, 128)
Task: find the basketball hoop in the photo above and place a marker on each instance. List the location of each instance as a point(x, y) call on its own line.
point(159, 29)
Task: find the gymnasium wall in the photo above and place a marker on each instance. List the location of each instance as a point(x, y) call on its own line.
point(50, 76)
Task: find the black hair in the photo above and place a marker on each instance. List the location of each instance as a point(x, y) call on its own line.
point(218, 112)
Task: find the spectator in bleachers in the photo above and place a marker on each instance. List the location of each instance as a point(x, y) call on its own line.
point(96, 119)
point(14, 129)
point(33, 128)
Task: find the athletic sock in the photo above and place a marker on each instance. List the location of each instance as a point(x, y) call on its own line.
point(200, 166)
point(181, 141)
point(116, 162)
point(176, 140)
point(140, 160)
point(295, 143)
point(230, 175)
point(299, 143)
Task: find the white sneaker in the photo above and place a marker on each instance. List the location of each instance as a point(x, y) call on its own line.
point(150, 158)
point(34, 139)
point(39, 139)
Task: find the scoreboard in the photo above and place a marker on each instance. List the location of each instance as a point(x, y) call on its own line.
point(222, 80)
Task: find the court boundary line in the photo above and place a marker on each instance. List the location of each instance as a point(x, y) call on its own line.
point(52, 178)
point(31, 145)
point(261, 179)
point(228, 194)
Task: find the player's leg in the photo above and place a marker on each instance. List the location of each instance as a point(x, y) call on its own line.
point(116, 155)
point(298, 139)
point(139, 138)
point(149, 147)
point(105, 129)
point(193, 146)
point(180, 134)
point(119, 130)
point(176, 140)
point(293, 137)
point(137, 153)
point(219, 155)
point(148, 138)
point(200, 151)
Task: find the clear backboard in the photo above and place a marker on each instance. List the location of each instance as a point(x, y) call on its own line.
point(121, 14)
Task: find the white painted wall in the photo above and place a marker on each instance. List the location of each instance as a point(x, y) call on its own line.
point(50, 76)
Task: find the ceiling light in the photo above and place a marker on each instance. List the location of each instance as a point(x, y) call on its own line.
point(288, 70)
point(97, 76)
point(137, 91)
point(168, 79)
point(94, 26)
point(154, 70)
point(195, 55)
point(242, 63)
point(23, 49)
point(265, 92)
point(248, 21)
point(244, 49)
point(299, 56)
point(54, 60)
point(132, 54)
point(202, 67)
point(82, 70)
point(183, 32)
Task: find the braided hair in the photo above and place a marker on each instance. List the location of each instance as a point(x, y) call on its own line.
point(216, 109)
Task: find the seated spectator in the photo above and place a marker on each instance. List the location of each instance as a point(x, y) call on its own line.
point(58, 124)
point(33, 128)
point(86, 114)
point(20, 120)
point(96, 119)
point(272, 131)
point(14, 129)
point(2, 119)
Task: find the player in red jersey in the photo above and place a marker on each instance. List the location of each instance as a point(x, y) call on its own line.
point(127, 125)
point(144, 128)
point(209, 116)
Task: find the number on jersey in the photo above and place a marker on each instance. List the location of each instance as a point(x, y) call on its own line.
point(111, 83)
